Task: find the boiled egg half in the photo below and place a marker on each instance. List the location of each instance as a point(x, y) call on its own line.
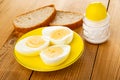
point(55, 55)
point(32, 45)
point(58, 34)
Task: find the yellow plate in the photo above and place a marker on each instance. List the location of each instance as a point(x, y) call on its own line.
point(35, 63)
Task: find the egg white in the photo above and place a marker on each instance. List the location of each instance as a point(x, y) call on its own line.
point(53, 61)
point(65, 40)
point(23, 49)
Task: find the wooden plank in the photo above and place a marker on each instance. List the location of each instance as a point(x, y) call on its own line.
point(81, 70)
point(75, 5)
point(9, 68)
point(107, 65)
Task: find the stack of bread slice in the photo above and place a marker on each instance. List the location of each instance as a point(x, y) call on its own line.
point(46, 16)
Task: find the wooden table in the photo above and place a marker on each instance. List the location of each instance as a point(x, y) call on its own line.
point(98, 62)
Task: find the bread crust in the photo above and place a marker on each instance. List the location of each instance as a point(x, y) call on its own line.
point(20, 30)
point(71, 25)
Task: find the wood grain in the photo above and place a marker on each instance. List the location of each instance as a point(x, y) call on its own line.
point(75, 5)
point(9, 9)
point(11, 70)
point(107, 65)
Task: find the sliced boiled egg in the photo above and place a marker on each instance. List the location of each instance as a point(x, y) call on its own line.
point(55, 55)
point(32, 45)
point(58, 34)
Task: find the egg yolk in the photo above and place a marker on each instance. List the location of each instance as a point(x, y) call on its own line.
point(58, 34)
point(35, 41)
point(53, 51)
point(96, 11)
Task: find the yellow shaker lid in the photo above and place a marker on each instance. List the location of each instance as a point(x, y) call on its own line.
point(96, 11)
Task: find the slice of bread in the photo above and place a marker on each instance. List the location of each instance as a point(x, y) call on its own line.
point(69, 19)
point(34, 19)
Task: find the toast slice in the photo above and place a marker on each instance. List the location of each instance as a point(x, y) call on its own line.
point(69, 19)
point(34, 19)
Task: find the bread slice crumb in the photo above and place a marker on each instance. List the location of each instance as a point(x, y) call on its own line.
point(34, 19)
point(69, 19)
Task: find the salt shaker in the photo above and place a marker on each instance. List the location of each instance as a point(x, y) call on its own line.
point(96, 23)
